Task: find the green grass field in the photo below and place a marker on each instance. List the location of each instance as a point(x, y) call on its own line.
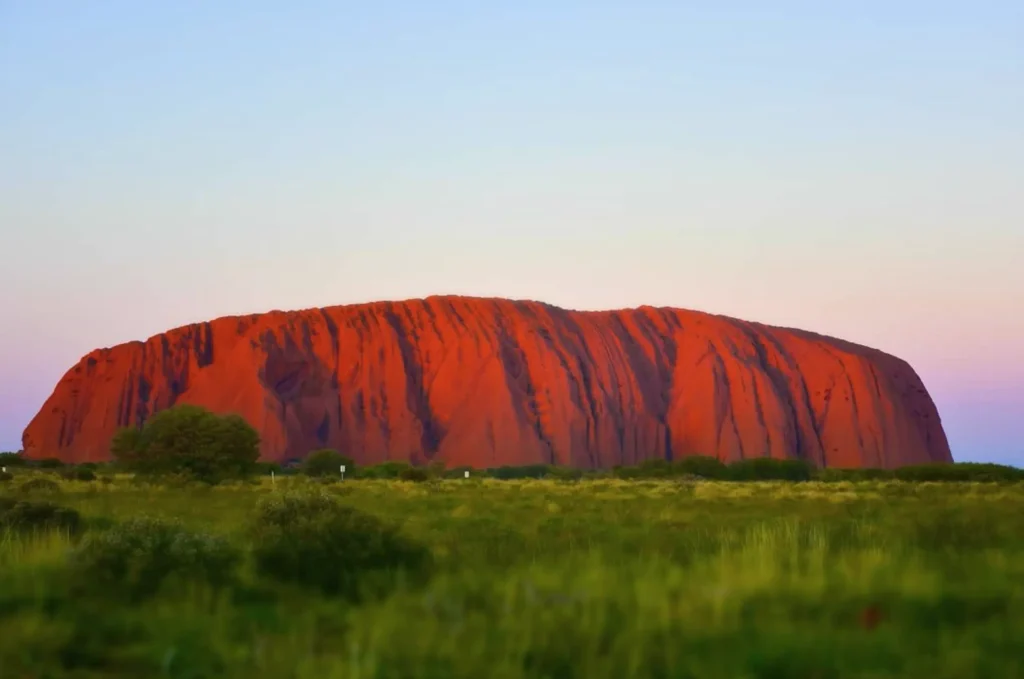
point(602, 579)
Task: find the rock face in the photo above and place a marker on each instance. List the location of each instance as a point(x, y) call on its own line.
point(488, 382)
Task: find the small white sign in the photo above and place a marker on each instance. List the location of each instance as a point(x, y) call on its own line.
point(467, 475)
point(342, 469)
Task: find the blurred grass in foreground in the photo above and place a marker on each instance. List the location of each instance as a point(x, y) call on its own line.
point(592, 580)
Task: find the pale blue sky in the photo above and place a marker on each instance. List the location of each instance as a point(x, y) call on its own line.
point(854, 168)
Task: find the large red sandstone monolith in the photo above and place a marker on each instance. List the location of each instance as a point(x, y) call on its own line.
point(489, 382)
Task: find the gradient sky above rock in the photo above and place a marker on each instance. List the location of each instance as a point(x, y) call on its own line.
point(853, 169)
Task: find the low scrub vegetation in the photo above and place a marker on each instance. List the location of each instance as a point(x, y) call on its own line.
point(313, 540)
point(39, 485)
point(137, 557)
point(599, 578)
point(26, 516)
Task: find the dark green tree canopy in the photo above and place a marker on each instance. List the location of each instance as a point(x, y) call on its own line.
point(188, 439)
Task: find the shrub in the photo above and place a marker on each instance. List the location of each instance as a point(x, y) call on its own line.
point(78, 474)
point(137, 557)
point(384, 470)
point(701, 465)
point(626, 471)
point(458, 472)
point(566, 473)
point(314, 540)
point(770, 469)
point(530, 471)
point(187, 439)
point(26, 517)
point(6, 476)
point(48, 463)
point(656, 467)
point(39, 485)
point(327, 462)
point(437, 468)
point(417, 474)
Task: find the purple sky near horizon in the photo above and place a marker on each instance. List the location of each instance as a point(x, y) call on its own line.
point(854, 169)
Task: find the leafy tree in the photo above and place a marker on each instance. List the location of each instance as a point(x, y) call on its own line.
point(326, 462)
point(190, 440)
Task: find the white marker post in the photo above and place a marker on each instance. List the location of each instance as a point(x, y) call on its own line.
point(342, 472)
point(272, 480)
point(467, 475)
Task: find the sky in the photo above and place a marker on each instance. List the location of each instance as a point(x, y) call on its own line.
point(852, 168)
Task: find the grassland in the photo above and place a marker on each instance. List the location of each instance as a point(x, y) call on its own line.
point(602, 579)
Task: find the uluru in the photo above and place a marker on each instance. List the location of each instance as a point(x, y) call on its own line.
point(490, 382)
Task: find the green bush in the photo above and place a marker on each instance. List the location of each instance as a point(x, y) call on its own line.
point(417, 474)
point(187, 439)
point(6, 476)
point(459, 472)
point(384, 470)
point(530, 471)
point(316, 541)
point(701, 465)
point(621, 471)
point(327, 462)
point(78, 474)
point(27, 517)
point(686, 466)
point(48, 463)
point(770, 469)
point(566, 473)
point(137, 557)
point(655, 467)
point(39, 485)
